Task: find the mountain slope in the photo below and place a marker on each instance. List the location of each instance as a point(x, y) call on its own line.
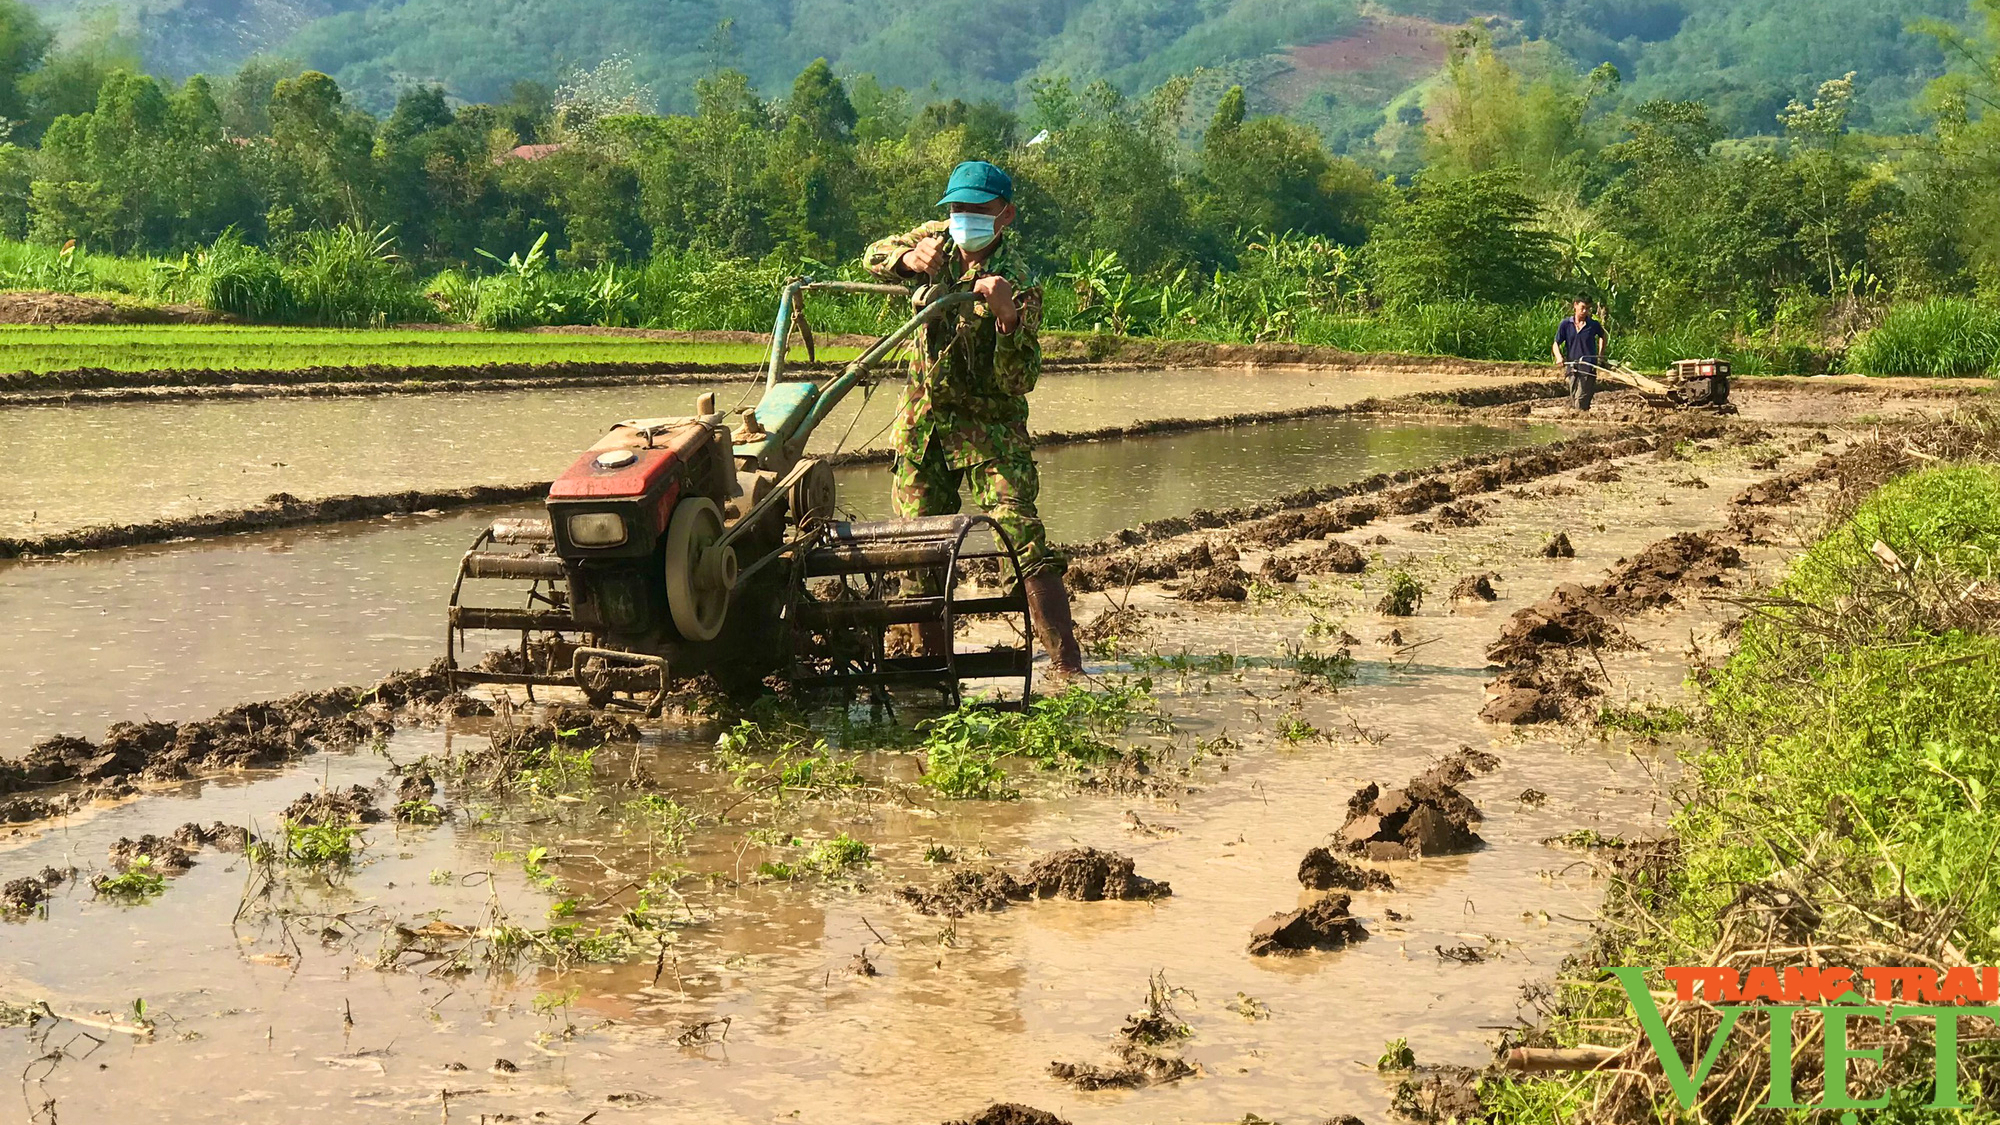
point(1747, 57)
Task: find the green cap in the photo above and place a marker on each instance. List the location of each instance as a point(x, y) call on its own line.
point(976, 181)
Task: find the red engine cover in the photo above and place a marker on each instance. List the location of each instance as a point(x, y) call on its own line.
point(586, 480)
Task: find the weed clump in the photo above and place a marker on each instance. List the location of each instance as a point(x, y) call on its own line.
point(964, 750)
point(1404, 595)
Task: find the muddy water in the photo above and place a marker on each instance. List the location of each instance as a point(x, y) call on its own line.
point(74, 466)
point(953, 1021)
point(181, 630)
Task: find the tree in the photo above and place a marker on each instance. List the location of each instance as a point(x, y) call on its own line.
point(23, 44)
point(1488, 115)
point(68, 80)
point(1470, 237)
point(319, 165)
point(1275, 175)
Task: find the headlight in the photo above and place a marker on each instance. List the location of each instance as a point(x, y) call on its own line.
point(597, 529)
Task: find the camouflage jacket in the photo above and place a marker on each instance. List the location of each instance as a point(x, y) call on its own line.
point(969, 382)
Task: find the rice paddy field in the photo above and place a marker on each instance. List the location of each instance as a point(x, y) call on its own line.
point(45, 348)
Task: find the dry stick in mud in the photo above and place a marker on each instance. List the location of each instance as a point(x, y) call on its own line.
point(282, 510)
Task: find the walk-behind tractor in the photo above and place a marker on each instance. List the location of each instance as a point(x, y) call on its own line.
point(712, 545)
point(1694, 384)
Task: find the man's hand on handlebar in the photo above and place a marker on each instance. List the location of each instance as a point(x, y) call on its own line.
point(923, 259)
point(998, 293)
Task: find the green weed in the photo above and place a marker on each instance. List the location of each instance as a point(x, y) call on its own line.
point(1404, 594)
point(1646, 721)
point(832, 858)
point(319, 845)
point(137, 883)
point(964, 750)
point(1396, 1055)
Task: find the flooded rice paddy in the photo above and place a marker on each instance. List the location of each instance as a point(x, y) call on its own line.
point(178, 631)
point(287, 1011)
point(381, 993)
point(80, 465)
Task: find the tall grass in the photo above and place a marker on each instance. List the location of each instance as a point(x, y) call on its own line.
point(1945, 336)
point(341, 277)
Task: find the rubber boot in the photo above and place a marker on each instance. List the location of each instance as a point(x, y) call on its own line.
point(1048, 609)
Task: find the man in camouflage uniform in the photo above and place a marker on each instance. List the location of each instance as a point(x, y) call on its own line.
point(964, 416)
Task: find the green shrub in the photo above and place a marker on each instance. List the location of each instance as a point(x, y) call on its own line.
point(1945, 336)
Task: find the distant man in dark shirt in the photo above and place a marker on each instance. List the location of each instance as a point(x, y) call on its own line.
point(1579, 346)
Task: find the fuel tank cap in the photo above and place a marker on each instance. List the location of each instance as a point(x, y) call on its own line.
point(616, 458)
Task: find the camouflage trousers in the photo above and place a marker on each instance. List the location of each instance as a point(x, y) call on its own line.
point(1004, 488)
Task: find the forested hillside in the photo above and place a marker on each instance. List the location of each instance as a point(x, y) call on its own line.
point(1346, 66)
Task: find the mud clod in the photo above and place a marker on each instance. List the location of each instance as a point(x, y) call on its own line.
point(23, 894)
point(1475, 588)
point(1425, 817)
point(1090, 875)
point(1276, 569)
point(165, 855)
point(1084, 874)
point(1139, 1069)
point(1602, 473)
point(1539, 693)
point(334, 808)
point(1225, 583)
point(1122, 622)
point(966, 892)
point(1440, 1093)
point(1651, 578)
point(1533, 798)
point(1324, 924)
point(1321, 870)
point(1010, 1113)
point(1569, 618)
point(1340, 558)
point(1558, 547)
point(222, 837)
point(1457, 515)
point(1460, 765)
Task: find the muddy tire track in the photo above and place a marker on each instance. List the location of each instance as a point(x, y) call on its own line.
point(282, 510)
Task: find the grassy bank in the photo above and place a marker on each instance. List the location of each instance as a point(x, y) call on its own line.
point(348, 279)
point(235, 348)
point(1842, 812)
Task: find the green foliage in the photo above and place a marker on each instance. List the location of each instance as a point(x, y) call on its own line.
point(1404, 594)
point(667, 823)
point(1646, 722)
point(1294, 727)
point(1396, 1055)
point(833, 858)
point(137, 883)
point(1942, 336)
point(1469, 237)
point(964, 751)
point(319, 845)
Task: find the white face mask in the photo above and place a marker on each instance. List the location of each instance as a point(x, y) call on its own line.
point(972, 231)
